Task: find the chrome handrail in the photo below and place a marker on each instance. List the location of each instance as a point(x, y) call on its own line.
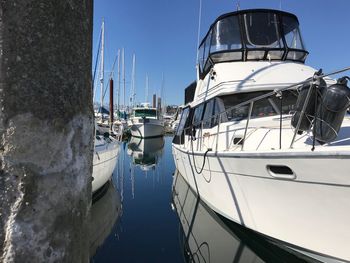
point(318, 75)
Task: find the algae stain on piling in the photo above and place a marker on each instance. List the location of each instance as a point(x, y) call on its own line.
point(46, 204)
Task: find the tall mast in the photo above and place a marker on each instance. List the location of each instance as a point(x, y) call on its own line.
point(132, 95)
point(118, 90)
point(123, 79)
point(102, 62)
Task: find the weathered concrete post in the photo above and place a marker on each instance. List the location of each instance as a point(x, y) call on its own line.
point(46, 129)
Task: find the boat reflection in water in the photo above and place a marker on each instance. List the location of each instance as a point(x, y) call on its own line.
point(106, 209)
point(145, 153)
point(207, 237)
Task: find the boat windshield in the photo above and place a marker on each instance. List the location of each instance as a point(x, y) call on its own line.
point(145, 113)
point(252, 35)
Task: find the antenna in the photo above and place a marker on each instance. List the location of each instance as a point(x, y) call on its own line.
point(281, 5)
point(238, 5)
point(123, 60)
point(199, 28)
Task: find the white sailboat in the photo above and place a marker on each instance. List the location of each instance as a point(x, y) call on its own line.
point(265, 139)
point(106, 147)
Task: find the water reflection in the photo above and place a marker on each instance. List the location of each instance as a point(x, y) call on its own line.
point(105, 211)
point(147, 231)
point(145, 153)
point(206, 237)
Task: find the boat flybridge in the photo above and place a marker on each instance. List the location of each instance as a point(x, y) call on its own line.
point(145, 122)
point(265, 139)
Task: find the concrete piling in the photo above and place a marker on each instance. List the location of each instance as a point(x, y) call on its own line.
point(46, 130)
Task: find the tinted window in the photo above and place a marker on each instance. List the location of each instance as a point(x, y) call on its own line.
point(262, 30)
point(292, 33)
point(219, 108)
point(226, 35)
point(179, 134)
point(208, 114)
point(261, 108)
point(182, 122)
point(197, 117)
point(145, 113)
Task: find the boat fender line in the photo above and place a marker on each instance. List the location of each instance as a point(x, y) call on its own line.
point(194, 161)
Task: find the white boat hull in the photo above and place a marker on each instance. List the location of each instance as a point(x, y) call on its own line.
point(149, 129)
point(104, 162)
point(307, 210)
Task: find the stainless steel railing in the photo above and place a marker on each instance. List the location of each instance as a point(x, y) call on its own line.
point(277, 92)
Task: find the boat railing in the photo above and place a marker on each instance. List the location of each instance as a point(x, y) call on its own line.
point(191, 130)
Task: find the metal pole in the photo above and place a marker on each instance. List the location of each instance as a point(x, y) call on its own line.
point(111, 111)
point(102, 65)
point(217, 134)
point(132, 97)
point(246, 126)
point(302, 113)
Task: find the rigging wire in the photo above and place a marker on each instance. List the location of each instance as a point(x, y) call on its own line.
point(96, 64)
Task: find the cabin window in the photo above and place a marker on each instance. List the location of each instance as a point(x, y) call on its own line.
point(142, 113)
point(226, 35)
point(292, 33)
point(219, 108)
point(262, 30)
point(289, 99)
point(261, 108)
point(201, 60)
point(296, 55)
point(198, 114)
point(206, 61)
point(183, 120)
point(211, 113)
point(179, 134)
point(208, 114)
point(256, 35)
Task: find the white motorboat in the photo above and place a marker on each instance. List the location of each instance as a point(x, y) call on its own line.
point(105, 159)
point(265, 139)
point(145, 122)
point(145, 152)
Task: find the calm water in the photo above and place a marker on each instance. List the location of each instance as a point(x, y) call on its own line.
point(149, 214)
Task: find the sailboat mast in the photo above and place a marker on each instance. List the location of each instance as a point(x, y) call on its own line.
point(132, 97)
point(123, 80)
point(102, 63)
point(118, 91)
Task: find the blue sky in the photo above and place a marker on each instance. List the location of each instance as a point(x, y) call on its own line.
point(163, 35)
